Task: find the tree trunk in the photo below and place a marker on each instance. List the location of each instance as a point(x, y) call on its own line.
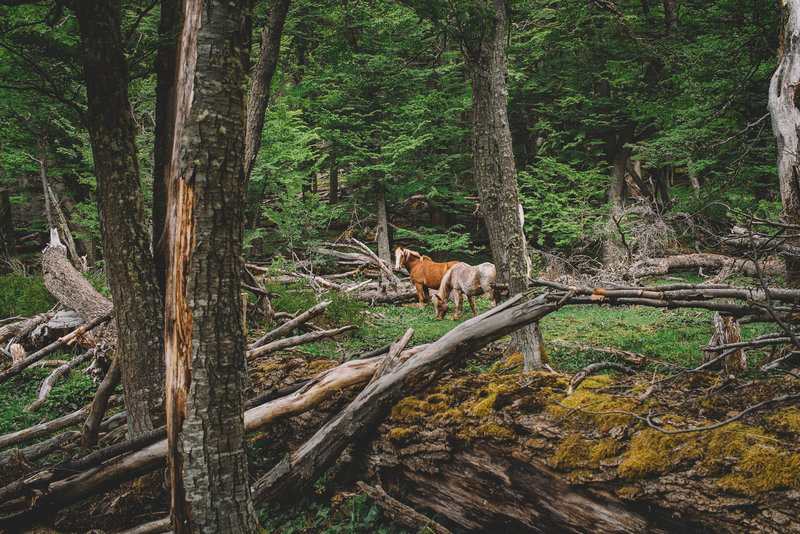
point(169, 30)
point(784, 107)
point(8, 238)
point(382, 228)
point(204, 336)
point(333, 193)
point(495, 171)
point(263, 70)
point(126, 244)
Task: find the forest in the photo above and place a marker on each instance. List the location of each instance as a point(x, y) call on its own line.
point(399, 266)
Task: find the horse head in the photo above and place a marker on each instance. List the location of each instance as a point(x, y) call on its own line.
point(399, 256)
point(440, 306)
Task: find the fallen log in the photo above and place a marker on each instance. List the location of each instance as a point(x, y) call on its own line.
point(688, 262)
point(295, 472)
point(385, 269)
point(61, 342)
point(376, 294)
point(20, 329)
point(43, 429)
point(127, 467)
point(91, 427)
point(72, 290)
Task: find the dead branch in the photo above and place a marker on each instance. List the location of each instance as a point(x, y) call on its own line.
point(91, 428)
point(393, 280)
point(399, 512)
point(595, 368)
point(303, 466)
point(297, 340)
point(61, 342)
point(48, 383)
point(287, 327)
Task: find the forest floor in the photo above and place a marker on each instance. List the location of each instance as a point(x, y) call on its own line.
point(474, 403)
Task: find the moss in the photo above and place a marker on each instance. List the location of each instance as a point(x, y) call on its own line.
point(651, 452)
point(587, 398)
point(315, 367)
point(401, 435)
point(763, 468)
point(413, 409)
point(573, 452)
point(787, 420)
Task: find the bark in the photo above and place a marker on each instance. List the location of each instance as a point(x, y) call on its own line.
point(784, 107)
point(292, 475)
point(64, 227)
point(126, 243)
point(399, 512)
point(495, 170)
point(43, 429)
point(204, 335)
point(726, 332)
point(261, 74)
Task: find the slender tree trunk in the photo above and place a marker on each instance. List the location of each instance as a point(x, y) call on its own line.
point(382, 230)
point(495, 170)
point(126, 244)
point(204, 332)
point(43, 176)
point(169, 30)
point(8, 239)
point(263, 70)
point(784, 106)
point(333, 193)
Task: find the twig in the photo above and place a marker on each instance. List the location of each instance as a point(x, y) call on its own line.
point(312, 312)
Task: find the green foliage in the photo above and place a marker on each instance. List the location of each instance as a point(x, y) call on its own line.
point(562, 204)
point(23, 295)
point(455, 239)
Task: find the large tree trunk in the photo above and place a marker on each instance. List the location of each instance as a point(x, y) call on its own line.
point(126, 244)
point(495, 170)
point(204, 334)
point(784, 107)
point(8, 238)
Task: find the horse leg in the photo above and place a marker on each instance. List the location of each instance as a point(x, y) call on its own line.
point(459, 302)
point(426, 294)
point(421, 293)
point(472, 304)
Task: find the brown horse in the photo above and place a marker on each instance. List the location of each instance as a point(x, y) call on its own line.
point(466, 280)
point(425, 273)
